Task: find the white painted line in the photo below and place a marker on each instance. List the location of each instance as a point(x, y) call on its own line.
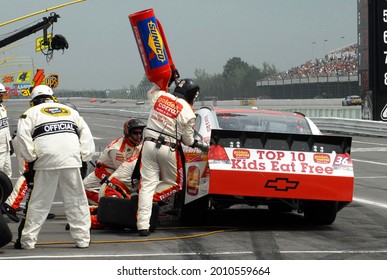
point(373, 149)
point(125, 255)
point(337, 252)
point(145, 255)
point(372, 162)
point(370, 202)
point(371, 177)
point(361, 142)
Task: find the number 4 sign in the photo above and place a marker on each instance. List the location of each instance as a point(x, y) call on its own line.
point(383, 114)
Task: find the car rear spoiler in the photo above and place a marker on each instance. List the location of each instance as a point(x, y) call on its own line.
point(281, 141)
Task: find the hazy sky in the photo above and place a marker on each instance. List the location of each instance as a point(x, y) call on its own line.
point(201, 34)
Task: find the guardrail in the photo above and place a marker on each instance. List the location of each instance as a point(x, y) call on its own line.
point(352, 126)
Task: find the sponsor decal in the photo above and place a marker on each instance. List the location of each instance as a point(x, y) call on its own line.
point(321, 158)
point(120, 157)
point(207, 123)
point(3, 123)
point(281, 184)
point(24, 76)
point(55, 111)
point(52, 80)
point(8, 80)
point(241, 154)
point(168, 107)
point(155, 42)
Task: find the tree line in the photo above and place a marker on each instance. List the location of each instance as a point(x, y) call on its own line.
point(237, 81)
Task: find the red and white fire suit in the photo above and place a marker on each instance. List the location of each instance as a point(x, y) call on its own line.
point(118, 184)
point(173, 119)
point(5, 137)
point(110, 159)
point(57, 139)
point(20, 188)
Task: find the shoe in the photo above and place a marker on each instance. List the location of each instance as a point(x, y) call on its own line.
point(67, 227)
point(10, 212)
point(143, 232)
point(51, 216)
point(82, 246)
point(17, 244)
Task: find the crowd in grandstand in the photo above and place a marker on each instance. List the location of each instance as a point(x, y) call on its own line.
point(340, 62)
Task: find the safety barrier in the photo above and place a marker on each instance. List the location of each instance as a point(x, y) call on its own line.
point(352, 126)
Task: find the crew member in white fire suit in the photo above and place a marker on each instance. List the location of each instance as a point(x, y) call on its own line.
point(113, 156)
point(119, 184)
point(55, 139)
point(171, 121)
point(5, 137)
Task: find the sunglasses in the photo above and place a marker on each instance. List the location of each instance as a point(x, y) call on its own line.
point(137, 132)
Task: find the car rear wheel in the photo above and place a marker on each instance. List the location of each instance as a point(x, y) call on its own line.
point(320, 212)
point(195, 212)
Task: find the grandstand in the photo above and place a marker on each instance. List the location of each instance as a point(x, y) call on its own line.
point(333, 76)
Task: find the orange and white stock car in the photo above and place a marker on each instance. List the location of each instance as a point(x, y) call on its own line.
point(266, 158)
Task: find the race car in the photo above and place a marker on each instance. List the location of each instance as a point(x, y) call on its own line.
point(351, 100)
point(265, 158)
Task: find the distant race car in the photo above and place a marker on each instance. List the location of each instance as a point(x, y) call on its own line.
point(351, 100)
point(260, 157)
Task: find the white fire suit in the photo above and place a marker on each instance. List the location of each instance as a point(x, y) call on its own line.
point(57, 139)
point(5, 137)
point(110, 159)
point(161, 166)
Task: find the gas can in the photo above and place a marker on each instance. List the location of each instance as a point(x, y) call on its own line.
point(153, 47)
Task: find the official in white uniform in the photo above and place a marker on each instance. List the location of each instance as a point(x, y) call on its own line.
point(56, 139)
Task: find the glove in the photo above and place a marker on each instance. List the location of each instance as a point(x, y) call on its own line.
point(175, 75)
point(29, 174)
point(83, 169)
point(201, 145)
point(11, 150)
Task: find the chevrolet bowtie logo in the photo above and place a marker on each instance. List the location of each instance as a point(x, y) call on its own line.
point(281, 184)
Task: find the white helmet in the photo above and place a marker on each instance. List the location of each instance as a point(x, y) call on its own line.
point(41, 90)
point(2, 89)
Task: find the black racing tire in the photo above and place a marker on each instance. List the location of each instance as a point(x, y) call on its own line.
point(5, 232)
point(5, 187)
point(320, 212)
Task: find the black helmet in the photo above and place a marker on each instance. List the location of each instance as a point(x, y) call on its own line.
point(131, 125)
point(189, 89)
